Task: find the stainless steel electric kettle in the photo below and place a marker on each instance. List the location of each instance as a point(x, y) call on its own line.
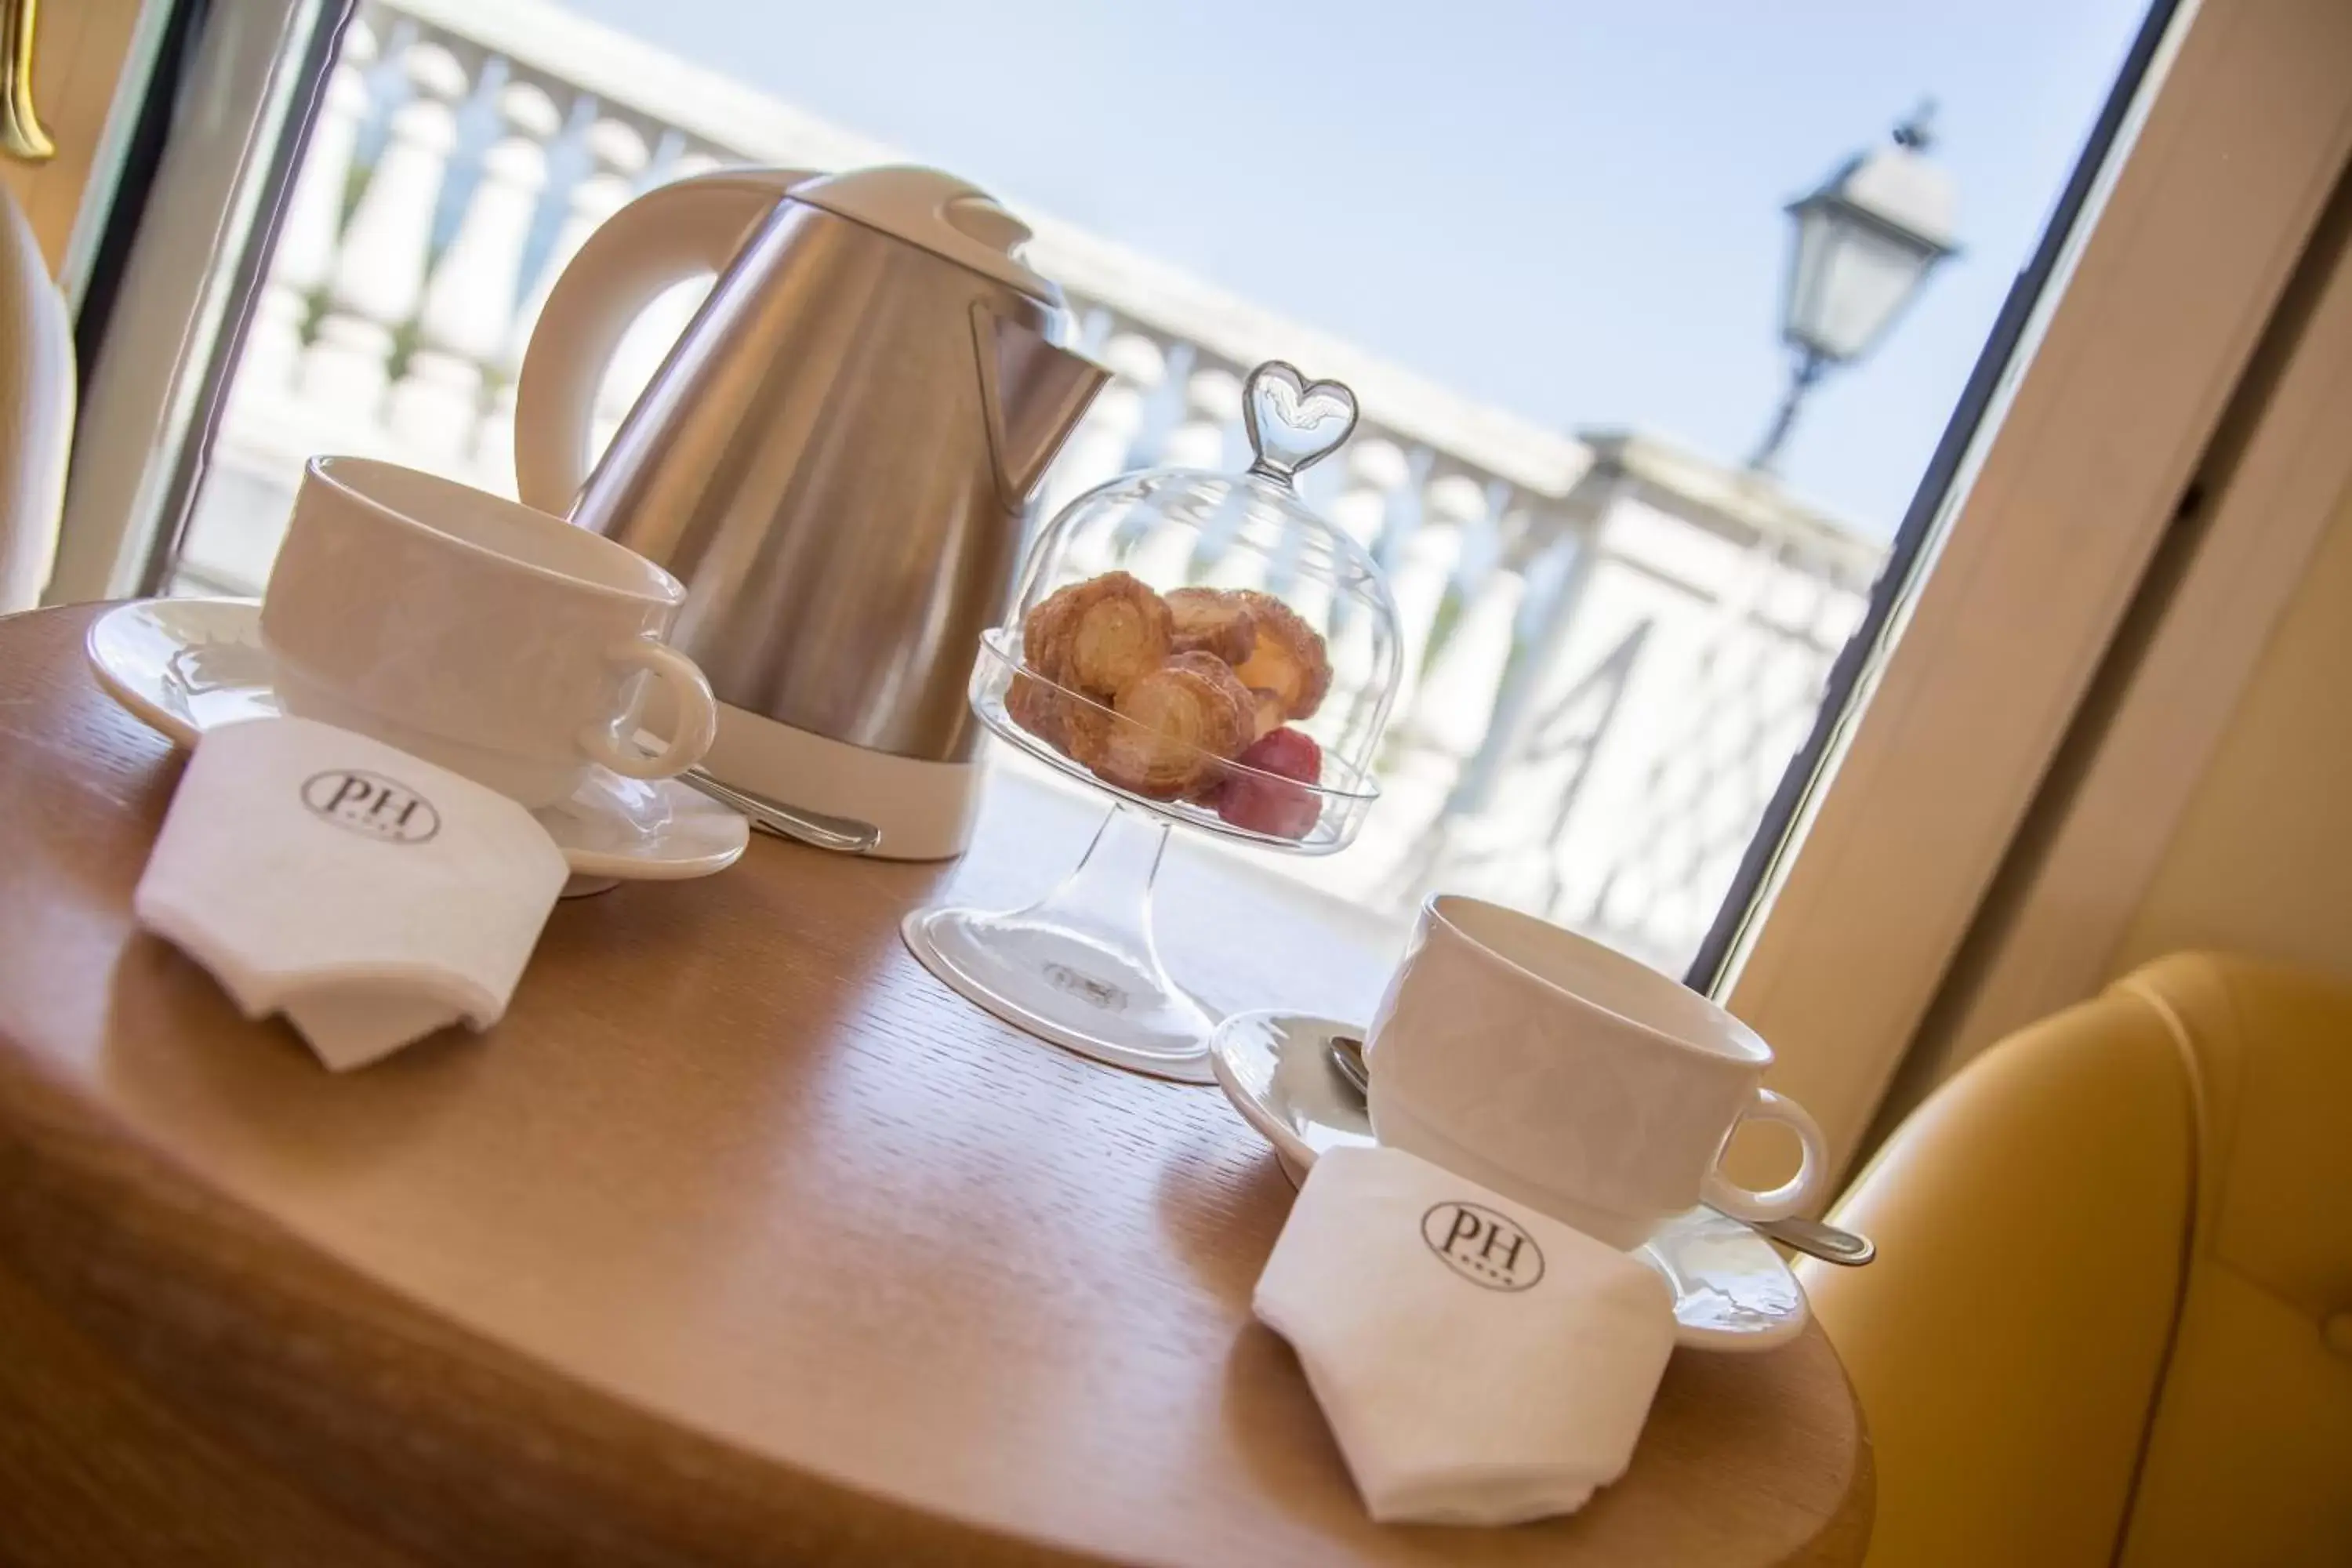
point(834, 458)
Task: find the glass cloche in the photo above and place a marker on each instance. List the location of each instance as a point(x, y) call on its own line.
point(1209, 651)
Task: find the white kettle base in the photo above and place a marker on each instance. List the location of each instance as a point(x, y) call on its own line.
point(925, 810)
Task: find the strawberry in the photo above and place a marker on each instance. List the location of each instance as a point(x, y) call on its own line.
point(1268, 805)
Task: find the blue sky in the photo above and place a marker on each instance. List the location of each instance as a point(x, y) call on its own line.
point(1572, 210)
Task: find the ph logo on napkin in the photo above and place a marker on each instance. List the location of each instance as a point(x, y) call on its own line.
point(1482, 1246)
point(372, 804)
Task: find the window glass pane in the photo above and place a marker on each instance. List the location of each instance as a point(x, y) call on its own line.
point(1550, 246)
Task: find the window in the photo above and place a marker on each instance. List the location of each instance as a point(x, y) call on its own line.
point(1655, 465)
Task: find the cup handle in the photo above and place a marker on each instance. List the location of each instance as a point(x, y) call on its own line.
point(697, 714)
point(1791, 1195)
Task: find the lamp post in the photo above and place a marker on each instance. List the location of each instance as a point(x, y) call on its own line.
point(1863, 243)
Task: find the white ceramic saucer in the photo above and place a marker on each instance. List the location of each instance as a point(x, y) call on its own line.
point(186, 666)
point(1732, 1291)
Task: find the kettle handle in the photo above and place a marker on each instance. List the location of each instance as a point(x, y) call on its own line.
point(667, 235)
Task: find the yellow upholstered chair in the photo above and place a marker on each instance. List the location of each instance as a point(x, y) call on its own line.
point(2111, 1318)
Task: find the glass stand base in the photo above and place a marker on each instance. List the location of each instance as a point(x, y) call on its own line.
point(1080, 967)
point(1060, 986)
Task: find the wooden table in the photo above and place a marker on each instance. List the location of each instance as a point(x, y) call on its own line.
point(740, 1240)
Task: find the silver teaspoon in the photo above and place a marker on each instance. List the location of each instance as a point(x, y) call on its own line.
point(1809, 1237)
point(1348, 1056)
point(842, 834)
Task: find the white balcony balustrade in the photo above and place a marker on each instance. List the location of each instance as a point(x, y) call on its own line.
point(1612, 647)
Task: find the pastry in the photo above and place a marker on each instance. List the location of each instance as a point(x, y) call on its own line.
point(1268, 799)
point(1288, 658)
point(1266, 711)
point(1213, 620)
point(1185, 719)
point(1201, 676)
point(1054, 716)
point(1096, 637)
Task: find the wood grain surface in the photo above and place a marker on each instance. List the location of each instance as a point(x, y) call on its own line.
point(739, 1240)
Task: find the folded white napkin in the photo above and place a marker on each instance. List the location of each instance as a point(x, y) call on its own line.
point(1479, 1363)
point(371, 897)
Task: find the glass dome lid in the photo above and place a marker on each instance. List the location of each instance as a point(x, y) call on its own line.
point(1204, 644)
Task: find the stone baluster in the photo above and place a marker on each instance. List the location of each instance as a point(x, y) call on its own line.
point(1555, 577)
point(618, 154)
point(1218, 564)
point(1426, 567)
point(1098, 450)
point(1807, 598)
point(1212, 405)
point(305, 253)
point(1456, 701)
point(1375, 469)
point(1309, 594)
point(469, 304)
point(1457, 502)
point(1351, 646)
point(379, 278)
point(1174, 553)
point(1164, 556)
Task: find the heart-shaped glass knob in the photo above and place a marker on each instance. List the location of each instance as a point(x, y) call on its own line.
point(1293, 421)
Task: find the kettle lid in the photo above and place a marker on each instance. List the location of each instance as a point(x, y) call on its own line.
point(936, 211)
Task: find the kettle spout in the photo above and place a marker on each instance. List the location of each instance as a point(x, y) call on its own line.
point(1035, 394)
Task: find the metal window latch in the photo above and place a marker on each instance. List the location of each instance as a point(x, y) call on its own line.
point(21, 136)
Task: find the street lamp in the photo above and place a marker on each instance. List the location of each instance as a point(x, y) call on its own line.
point(1864, 242)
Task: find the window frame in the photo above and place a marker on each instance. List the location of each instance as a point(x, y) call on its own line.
point(2277, 482)
point(185, 285)
point(2134, 351)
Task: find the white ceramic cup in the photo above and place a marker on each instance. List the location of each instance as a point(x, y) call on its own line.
point(499, 642)
point(1570, 1077)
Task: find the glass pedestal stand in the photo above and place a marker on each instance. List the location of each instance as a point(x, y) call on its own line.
point(1079, 966)
point(1258, 723)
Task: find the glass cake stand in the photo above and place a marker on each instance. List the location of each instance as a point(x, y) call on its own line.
point(1268, 591)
